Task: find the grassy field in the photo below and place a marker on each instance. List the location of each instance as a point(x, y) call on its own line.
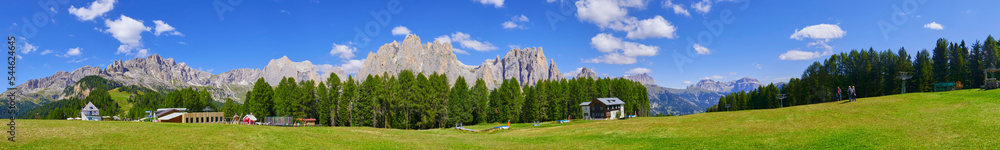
point(968, 119)
point(122, 99)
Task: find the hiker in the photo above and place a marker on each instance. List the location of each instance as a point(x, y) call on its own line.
point(850, 93)
point(839, 98)
point(854, 94)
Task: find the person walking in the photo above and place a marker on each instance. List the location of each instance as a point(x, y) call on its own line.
point(839, 95)
point(854, 94)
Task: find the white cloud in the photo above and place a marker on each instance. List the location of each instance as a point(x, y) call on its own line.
point(612, 58)
point(732, 73)
point(495, 3)
point(400, 30)
point(655, 27)
point(352, 66)
point(97, 8)
point(345, 51)
point(934, 26)
point(639, 71)
point(466, 41)
point(678, 9)
point(686, 82)
point(799, 55)
point(607, 43)
point(324, 68)
point(128, 31)
point(459, 51)
point(821, 33)
point(73, 52)
point(182, 43)
point(573, 73)
point(605, 12)
point(77, 60)
point(702, 7)
point(46, 52)
point(613, 14)
point(758, 66)
point(443, 39)
point(701, 49)
point(714, 77)
point(516, 22)
point(164, 27)
point(28, 48)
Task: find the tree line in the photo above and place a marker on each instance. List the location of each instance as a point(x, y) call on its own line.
point(418, 101)
point(875, 73)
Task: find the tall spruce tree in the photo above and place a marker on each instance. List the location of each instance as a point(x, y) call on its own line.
point(940, 60)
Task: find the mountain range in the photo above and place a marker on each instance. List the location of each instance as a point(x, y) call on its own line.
point(527, 65)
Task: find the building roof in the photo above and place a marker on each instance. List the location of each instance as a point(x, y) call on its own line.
point(89, 107)
point(171, 116)
point(585, 104)
point(611, 101)
point(251, 117)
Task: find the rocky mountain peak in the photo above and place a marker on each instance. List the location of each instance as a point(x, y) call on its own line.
point(527, 65)
point(642, 78)
point(586, 72)
point(742, 84)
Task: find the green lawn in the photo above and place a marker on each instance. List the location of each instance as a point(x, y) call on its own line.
point(122, 99)
point(968, 119)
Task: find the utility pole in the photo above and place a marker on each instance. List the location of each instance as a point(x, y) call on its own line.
point(904, 76)
point(782, 98)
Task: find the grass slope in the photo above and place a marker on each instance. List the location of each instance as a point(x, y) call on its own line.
point(966, 119)
point(122, 99)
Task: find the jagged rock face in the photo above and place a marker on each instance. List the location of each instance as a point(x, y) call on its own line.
point(157, 73)
point(692, 100)
point(236, 82)
point(554, 72)
point(643, 78)
point(526, 65)
point(586, 72)
point(744, 84)
point(51, 87)
point(155, 70)
point(410, 55)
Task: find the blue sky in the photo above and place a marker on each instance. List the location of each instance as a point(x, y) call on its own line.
point(676, 41)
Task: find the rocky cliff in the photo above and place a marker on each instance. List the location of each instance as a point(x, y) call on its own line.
point(527, 65)
point(159, 73)
point(643, 78)
point(586, 72)
point(743, 84)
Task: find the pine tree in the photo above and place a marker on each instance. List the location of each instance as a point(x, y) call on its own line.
point(347, 100)
point(334, 107)
point(480, 96)
point(940, 60)
point(924, 73)
point(323, 103)
point(459, 104)
point(957, 67)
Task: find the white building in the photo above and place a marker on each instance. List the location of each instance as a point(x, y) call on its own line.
point(90, 112)
point(603, 109)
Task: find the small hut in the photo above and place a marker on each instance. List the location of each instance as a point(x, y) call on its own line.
point(249, 119)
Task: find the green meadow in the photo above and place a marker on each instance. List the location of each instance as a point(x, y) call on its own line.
point(967, 119)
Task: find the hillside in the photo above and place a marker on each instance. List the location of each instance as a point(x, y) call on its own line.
point(965, 119)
